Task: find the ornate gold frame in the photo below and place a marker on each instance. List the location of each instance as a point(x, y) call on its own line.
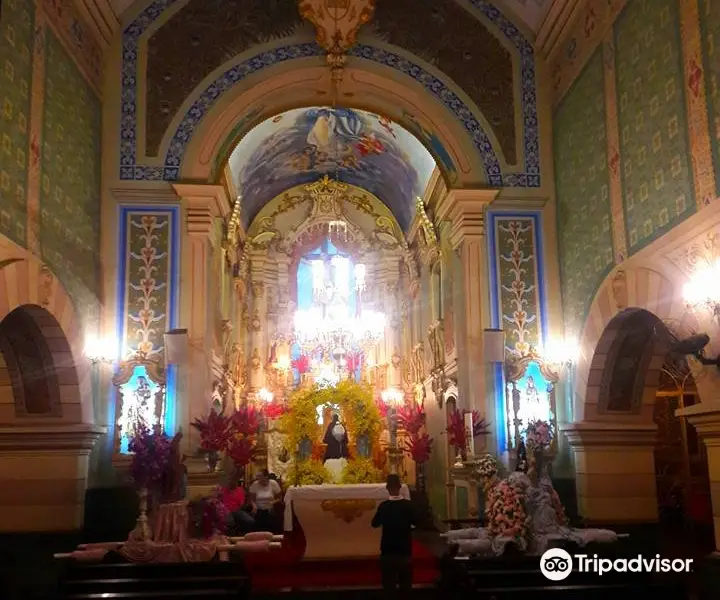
point(515, 369)
point(155, 371)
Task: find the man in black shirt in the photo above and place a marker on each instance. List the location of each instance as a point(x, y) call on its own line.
point(397, 518)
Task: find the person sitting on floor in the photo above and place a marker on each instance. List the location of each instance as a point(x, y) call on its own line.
point(265, 493)
point(233, 497)
point(397, 518)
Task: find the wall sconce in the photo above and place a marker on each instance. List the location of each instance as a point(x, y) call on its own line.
point(703, 289)
point(265, 396)
point(494, 345)
point(176, 346)
point(561, 353)
point(100, 351)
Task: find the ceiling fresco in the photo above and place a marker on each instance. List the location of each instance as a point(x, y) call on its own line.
point(360, 148)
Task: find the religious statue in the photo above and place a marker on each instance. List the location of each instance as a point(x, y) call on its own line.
point(336, 439)
point(336, 451)
point(140, 409)
point(534, 406)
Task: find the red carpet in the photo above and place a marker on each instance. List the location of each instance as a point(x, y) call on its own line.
point(284, 567)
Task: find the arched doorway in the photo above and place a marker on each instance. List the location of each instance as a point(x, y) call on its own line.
point(35, 357)
point(681, 464)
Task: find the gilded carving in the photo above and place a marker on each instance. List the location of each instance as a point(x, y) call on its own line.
point(256, 324)
point(348, 509)
point(337, 23)
point(418, 362)
point(255, 361)
point(46, 286)
point(620, 291)
point(436, 339)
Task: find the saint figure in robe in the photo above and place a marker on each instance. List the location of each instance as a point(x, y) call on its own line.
point(336, 439)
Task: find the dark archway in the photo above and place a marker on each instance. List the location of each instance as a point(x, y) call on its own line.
point(35, 362)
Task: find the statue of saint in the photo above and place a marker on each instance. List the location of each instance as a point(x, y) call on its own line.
point(336, 439)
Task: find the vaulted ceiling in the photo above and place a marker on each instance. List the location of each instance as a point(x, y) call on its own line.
point(530, 12)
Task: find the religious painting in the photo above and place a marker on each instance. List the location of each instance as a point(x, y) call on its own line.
point(359, 148)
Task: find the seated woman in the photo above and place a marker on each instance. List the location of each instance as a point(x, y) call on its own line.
point(233, 497)
point(265, 493)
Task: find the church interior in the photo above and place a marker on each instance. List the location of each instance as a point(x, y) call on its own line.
point(470, 243)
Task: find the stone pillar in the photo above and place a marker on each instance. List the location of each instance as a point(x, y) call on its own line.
point(465, 210)
point(614, 471)
point(393, 341)
point(705, 417)
point(202, 205)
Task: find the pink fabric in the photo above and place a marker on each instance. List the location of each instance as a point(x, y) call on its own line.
point(192, 550)
point(95, 555)
point(171, 522)
point(256, 546)
point(258, 536)
point(102, 546)
point(233, 499)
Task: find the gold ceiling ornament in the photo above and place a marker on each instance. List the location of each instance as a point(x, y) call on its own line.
point(337, 23)
point(327, 196)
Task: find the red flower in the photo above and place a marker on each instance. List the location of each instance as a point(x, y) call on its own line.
point(382, 407)
point(411, 417)
point(273, 410)
point(302, 364)
point(215, 431)
point(419, 447)
point(457, 435)
point(246, 420)
point(242, 451)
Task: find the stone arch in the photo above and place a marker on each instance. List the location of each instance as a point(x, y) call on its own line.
point(33, 297)
point(643, 296)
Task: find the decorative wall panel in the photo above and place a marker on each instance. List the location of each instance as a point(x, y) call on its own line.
point(17, 26)
point(148, 280)
point(70, 174)
point(516, 276)
point(656, 175)
point(582, 183)
point(710, 27)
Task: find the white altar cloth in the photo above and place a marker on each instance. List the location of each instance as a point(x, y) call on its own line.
point(336, 518)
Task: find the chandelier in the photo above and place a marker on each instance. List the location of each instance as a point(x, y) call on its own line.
point(329, 324)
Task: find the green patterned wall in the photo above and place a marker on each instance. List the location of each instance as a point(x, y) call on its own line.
point(582, 184)
point(710, 28)
point(16, 51)
point(70, 173)
point(656, 173)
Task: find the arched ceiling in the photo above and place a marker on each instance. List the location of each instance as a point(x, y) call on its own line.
point(530, 12)
point(301, 145)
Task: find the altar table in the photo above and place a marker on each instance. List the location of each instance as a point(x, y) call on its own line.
point(336, 518)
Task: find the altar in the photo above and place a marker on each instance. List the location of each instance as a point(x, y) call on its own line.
point(336, 519)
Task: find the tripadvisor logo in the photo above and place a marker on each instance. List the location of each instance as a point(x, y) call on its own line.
point(556, 564)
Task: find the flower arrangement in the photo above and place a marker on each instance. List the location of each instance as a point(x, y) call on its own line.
point(419, 447)
point(308, 472)
point(359, 411)
point(215, 431)
point(209, 517)
point(242, 451)
point(457, 432)
point(487, 466)
point(558, 507)
point(246, 420)
point(505, 512)
point(361, 470)
point(539, 435)
point(411, 417)
point(274, 410)
point(151, 452)
point(353, 361)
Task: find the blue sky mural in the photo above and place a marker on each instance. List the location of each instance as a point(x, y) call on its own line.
point(362, 149)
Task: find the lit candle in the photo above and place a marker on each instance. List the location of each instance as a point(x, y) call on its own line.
point(469, 430)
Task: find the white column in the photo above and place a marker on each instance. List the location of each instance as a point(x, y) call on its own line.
point(465, 209)
point(202, 204)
